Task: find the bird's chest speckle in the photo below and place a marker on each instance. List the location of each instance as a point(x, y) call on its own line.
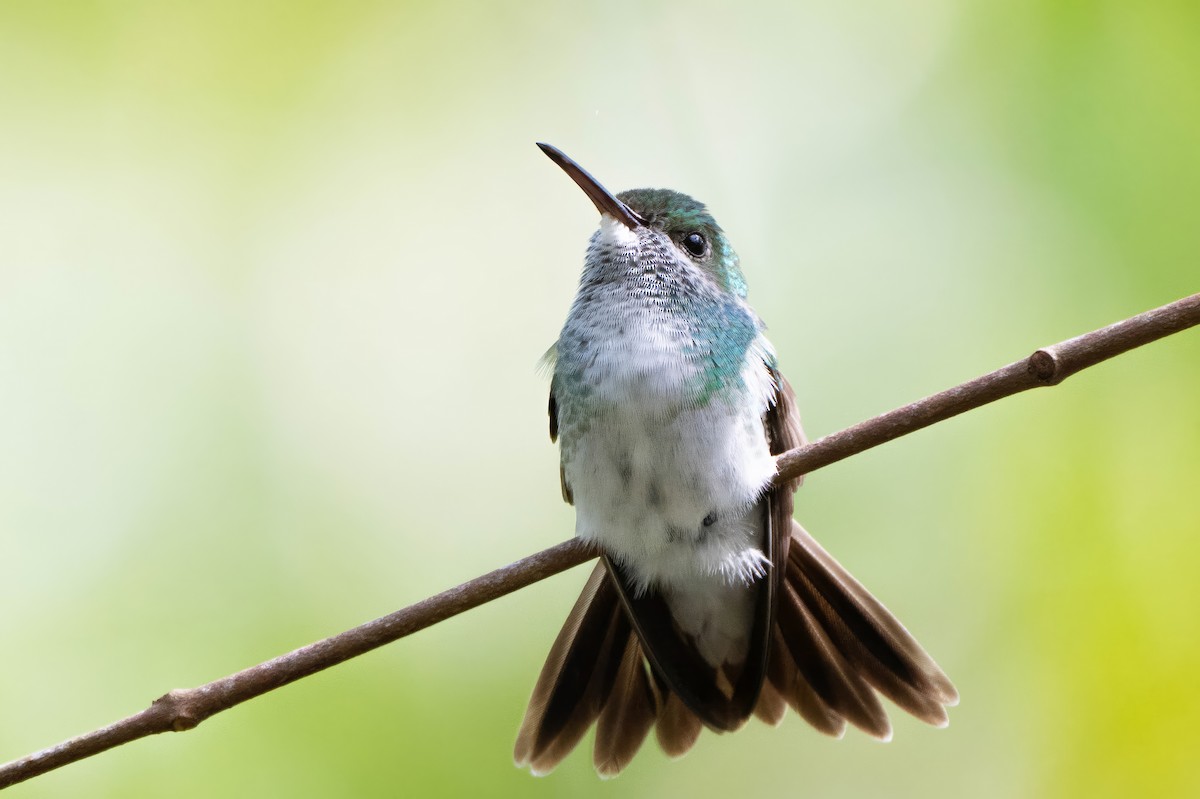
point(660, 338)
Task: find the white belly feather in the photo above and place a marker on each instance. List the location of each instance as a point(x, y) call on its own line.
point(671, 488)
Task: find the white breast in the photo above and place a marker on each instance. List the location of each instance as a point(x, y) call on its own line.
point(667, 487)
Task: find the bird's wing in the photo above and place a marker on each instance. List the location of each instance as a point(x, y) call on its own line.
point(562, 472)
point(782, 424)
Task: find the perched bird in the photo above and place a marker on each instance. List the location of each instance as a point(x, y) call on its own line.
point(710, 602)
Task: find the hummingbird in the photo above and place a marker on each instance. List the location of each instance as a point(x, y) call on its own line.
point(709, 604)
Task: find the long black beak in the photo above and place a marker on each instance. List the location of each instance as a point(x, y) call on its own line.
point(605, 202)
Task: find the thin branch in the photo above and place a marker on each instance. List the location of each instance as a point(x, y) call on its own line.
point(183, 709)
point(1048, 366)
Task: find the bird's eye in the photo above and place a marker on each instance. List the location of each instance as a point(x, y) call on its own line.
point(695, 244)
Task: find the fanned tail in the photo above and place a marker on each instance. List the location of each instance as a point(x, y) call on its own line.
point(576, 679)
point(597, 672)
point(835, 642)
point(833, 649)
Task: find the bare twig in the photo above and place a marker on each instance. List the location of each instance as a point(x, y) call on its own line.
point(1048, 366)
point(183, 709)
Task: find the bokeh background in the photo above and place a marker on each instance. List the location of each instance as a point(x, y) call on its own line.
point(275, 276)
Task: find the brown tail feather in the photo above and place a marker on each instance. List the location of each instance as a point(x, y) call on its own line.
point(678, 728)
point(824, 667)
point(863, 625)
point(833, 645)
point(629, 713)
point(796, 691)
point(577, 678)
point(893, 680)
point(771, 707)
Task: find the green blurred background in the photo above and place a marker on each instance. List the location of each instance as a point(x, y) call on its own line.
point(274, 278)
